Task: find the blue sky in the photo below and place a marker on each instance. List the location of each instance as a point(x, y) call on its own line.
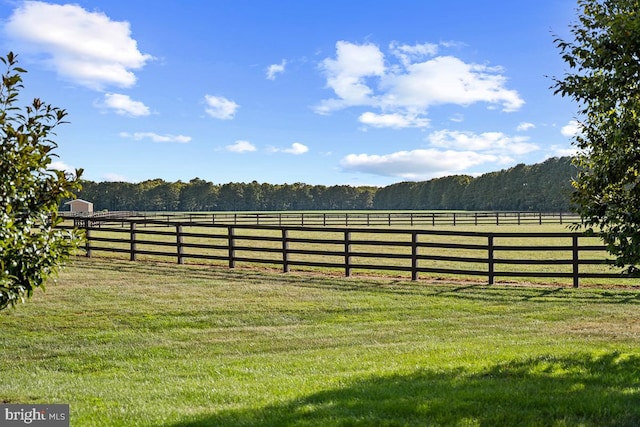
point(321, 92)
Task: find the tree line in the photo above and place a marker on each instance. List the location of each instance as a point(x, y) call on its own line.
point(544, 187)
point(541, 187)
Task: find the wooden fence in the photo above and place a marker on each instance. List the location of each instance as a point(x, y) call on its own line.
point(362, 218)
point(573, 256)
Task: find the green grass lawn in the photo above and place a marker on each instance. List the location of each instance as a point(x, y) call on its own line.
point(145, 344)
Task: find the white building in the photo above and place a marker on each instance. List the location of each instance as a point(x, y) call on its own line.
point(79, 205)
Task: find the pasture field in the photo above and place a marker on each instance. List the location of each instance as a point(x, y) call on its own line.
point(157, 344)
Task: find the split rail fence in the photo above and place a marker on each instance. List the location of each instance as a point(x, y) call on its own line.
point(567, 255)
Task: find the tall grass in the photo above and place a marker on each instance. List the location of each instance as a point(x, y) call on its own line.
point(144, 344)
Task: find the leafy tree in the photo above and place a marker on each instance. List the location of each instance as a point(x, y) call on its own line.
point(198, 195)
point(604, 79)
point(31, 247)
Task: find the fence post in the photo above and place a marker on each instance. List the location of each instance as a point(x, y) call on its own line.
point(87, 233)
point(414, 256)
point(540, 218)
point(490, 259)
point(454, 219)
point(179, 246)
point(347, 253)
point(132, 241)
point(231, 245)
point(576, 261)
point(497, 218)
point(285, 250)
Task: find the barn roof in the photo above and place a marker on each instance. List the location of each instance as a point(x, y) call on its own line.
point(77, 200)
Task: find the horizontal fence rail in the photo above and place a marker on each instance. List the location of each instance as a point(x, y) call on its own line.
point(338, 219)
point(568, 255)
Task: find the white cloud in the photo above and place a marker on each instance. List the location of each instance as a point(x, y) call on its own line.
point(124, 105)
point(415, 164)
point(562, 151)
point(84, 47)
point(393, 120)
point(492, 142)
point(449, 152)
point(361, 75)
point(346, 75)
point(571, 129)
point(296, 148)
point(62, 166)
point(525, 126)
point(274, 69)
point(114, 177)
point(448, 80)
point(220, 107)
point(411, 53)
point(241, 147)
point(138, 136)
point(457, 117)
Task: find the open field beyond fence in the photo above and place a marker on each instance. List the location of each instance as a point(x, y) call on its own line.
point(487, 252)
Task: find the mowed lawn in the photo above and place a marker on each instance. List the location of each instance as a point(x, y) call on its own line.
point(150, 344)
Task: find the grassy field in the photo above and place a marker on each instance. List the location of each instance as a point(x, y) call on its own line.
point(144, 344)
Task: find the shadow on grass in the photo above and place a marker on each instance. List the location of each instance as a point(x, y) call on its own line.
point(580, 390)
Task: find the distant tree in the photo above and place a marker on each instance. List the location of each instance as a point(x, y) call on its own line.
point(253, 197)
point(198, 195)
point(231, 197)
point(396, 196)
point(604, 79)
point(31, 247)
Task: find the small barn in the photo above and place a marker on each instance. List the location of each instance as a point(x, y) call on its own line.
point(79, 205)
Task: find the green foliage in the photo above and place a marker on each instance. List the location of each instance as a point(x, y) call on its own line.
point(541, 187)
point(604, 59)
point(31, 248)
point(201, 195)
